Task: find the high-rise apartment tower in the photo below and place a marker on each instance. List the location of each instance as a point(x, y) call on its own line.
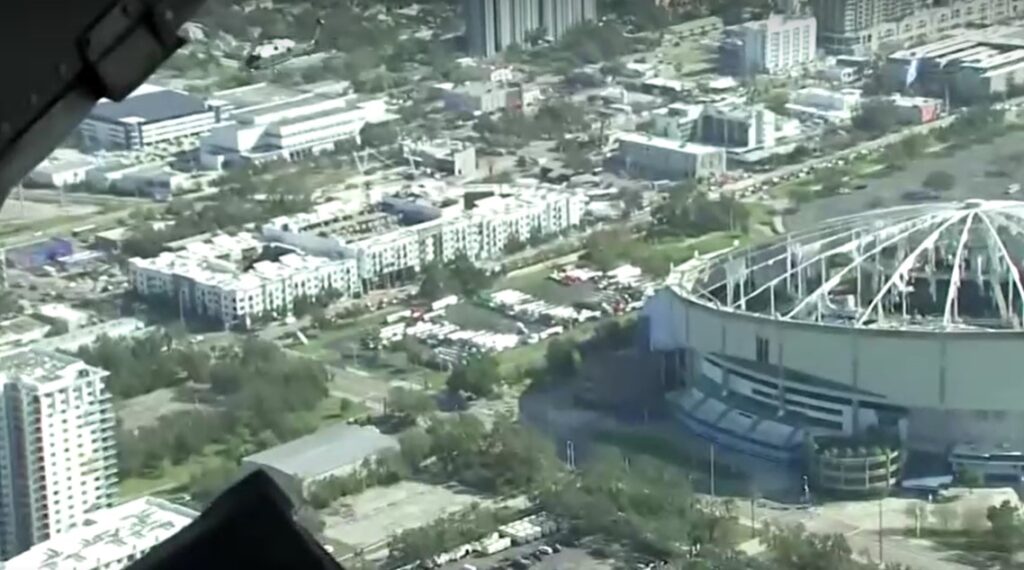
point(494, 25)
point(58, 459)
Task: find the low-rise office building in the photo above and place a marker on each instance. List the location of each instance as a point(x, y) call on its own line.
point(659, 157)
point(827, 104)
point(291, 129)
point(149, 116)
point(475, 97)
point(453, 158)
point(154, 180)
point(233, 280)
point(108, 539)
point(63, 168)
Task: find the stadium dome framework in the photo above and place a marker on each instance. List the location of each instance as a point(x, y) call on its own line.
point(905, 319)
point(938, 267)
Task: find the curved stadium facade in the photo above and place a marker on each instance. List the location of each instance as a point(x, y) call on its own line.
point(908, 320)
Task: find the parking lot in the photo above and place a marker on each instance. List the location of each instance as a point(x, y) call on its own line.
point(969, 165)
point(369, 518)
point(570, 558)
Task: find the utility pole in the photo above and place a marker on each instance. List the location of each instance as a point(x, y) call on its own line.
point(712, 469)
point(181, 306)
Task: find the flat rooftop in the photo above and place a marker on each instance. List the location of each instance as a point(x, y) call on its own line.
point(327, 450)
point(19, 326)
point(259, 94)
point(255, 94)
point(65, 160)
point(668, 144)
point(149, 106)
point(39, 366)
point(107, 536)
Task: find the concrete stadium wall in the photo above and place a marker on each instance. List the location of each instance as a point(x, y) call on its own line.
point(960, 387)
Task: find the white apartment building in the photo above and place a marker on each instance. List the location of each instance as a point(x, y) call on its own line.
point(658, 157)
point(150, 115)
point(775, 45)
point(292, 129)
point(485, 231)
point(109, 539)
point(482, 232)
point(58, 456)
point(209, 279)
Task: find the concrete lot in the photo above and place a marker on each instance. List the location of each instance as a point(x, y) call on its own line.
point(370, 518)
point(969, 165)
point(859, 523)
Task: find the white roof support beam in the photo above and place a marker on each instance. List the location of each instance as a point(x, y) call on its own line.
point(848, 247)
point(1014, 270)
point(958, 274)
point(908, 263)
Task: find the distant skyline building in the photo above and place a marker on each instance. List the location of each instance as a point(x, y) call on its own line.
point(774, 45)
point(862, 26)
point(494, 25)
point(58, 456)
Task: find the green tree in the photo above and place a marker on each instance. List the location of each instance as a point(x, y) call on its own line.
point(469, 278)
point(876, 118)
point(830, 179)
point(413, 404)
point(378, 135)
point(415, 447)
point(939, 181)
point(212, 478)
point(480, 376)
point(1007, 531)
point(793, 548)
point(9, 303)
point(436, 282)
point(457, 442)
point(562, 359)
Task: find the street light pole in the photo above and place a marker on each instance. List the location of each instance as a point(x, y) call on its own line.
point(753, 522)
point(881, 552)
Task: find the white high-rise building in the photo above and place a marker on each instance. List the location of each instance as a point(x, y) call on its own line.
point(58, 460)
point(494, 25)
point(777, 44)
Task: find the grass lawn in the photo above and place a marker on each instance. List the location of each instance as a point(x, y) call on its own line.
point(324, 346)
point(524, 357)
point(172, 478)
point(329, 410)
point(667, 449)
point(683, 250)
